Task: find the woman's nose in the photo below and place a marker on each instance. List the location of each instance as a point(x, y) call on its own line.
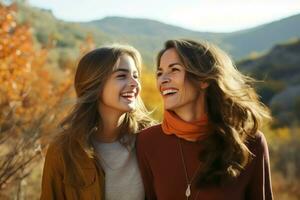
point(164, 78)
point(134, 82)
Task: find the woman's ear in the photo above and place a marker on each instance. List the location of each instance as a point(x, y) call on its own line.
point(203, 85)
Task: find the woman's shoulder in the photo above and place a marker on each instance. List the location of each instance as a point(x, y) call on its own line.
point(257, 143)
point(149, 132)
point(56, 144)
point(54, 162)
point(54, 150)
point(150, 135)
point(258, 138)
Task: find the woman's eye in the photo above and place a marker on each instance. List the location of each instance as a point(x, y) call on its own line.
point(158, 74)
point(121, 76)
point(174, 69)
point(135, 75)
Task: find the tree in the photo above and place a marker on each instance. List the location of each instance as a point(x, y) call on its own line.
point(29, 97)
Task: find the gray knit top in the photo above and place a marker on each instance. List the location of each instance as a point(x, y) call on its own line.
point(122, 176)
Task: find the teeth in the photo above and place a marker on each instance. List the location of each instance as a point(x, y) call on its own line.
point(169, 91)
point(128, 94)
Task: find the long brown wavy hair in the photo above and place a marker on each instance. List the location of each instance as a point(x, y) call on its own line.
point(93, 70)
point(234, 109)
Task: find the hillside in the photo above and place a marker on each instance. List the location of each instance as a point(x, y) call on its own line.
point(148, 35)
point(67, 34)
point(262, 38)
point(64, 38)
point(280, 70)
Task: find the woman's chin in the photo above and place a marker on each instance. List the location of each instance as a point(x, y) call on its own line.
point(169, 107)
point(129, 107)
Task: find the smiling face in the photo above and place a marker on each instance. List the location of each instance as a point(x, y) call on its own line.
point(177, 91)
point(121, 88)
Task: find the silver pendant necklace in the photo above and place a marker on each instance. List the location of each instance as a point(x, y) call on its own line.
point(188, 190)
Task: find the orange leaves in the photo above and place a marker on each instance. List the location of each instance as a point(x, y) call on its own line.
point(25, 85)
point(29, 96)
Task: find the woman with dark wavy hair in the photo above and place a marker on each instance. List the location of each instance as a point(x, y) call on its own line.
point(94, 156)
point(208, 146)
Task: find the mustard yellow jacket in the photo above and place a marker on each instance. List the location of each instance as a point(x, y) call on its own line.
point(56, 186)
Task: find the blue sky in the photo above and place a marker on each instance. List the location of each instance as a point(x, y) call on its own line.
point(200, 15)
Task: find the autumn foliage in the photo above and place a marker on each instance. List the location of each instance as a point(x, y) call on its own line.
point(29, 94)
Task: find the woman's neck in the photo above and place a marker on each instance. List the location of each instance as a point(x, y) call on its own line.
point(193, 111)
point(110, 127)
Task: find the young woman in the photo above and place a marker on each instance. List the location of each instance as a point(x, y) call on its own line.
point(94, 157)
point(208, 146)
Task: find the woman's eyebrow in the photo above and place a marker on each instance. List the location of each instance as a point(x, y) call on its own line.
point(121, 70)
point(170, 65)
point(125, 70)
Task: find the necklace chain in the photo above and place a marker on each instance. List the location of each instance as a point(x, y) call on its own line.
point(188, 191)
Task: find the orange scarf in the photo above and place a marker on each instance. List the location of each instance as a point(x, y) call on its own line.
point(190, 131)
